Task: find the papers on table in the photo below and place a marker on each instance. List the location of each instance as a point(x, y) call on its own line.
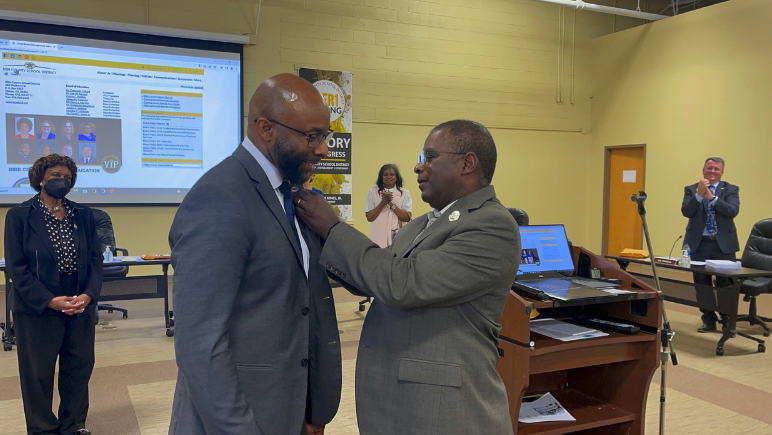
point(615, 291)
point(697, 263)
point(722, 264)
point(563, 331)
point(2, 262)
point(126, 258)
point(545, 408)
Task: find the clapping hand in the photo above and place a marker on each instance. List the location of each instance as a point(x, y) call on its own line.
point(703, 188)
point(386, 197)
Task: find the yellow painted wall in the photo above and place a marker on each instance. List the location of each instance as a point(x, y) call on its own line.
point(689, 87)
point(415, 64)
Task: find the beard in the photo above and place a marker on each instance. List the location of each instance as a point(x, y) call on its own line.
point(289, 162)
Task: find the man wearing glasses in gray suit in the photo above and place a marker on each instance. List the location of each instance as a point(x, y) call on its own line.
point(428, 350)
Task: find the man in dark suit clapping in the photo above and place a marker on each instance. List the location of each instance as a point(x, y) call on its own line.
point(711, 206)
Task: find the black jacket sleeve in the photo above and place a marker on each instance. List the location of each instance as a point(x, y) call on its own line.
point(21, 269)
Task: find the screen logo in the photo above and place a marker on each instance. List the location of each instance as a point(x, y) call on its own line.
point(111, 164)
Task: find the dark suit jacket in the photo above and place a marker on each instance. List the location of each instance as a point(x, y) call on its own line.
point(257, 343)
point(24, 159)
point(727, 207)
point(30, 258)
point(427, 354)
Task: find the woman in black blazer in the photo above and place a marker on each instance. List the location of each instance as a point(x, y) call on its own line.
point(53, 258)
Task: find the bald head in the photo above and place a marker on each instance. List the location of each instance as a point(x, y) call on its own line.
point(288, 124)
point(284, 94)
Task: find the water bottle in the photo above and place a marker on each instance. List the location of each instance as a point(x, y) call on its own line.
point(686, 256)
point(108, 255)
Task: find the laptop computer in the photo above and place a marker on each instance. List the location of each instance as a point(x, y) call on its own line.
point(546, 266)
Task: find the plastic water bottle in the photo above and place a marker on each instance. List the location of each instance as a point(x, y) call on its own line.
point(108, 255)
point(686, 256)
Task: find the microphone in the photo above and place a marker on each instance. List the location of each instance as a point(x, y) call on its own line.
point(676, 241)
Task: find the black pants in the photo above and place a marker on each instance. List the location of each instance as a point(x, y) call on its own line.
point(40, 340)
point(709, 250)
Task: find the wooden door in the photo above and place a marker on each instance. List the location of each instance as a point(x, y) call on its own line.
point(624, 176)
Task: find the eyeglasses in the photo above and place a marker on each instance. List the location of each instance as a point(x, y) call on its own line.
point(314, 139)
point(423, 158)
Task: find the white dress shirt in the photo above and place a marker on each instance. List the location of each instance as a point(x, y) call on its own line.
point(275, 178)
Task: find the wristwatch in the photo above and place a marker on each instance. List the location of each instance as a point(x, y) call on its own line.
point(392, 207)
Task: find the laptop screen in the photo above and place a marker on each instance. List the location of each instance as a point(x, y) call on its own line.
point(544, 249)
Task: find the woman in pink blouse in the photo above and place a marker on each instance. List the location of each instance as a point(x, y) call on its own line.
point(389, 206)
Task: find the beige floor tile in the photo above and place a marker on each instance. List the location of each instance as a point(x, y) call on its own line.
point(153, 406)
point(12, 417)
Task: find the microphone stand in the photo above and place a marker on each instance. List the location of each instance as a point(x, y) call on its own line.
point(666, 337)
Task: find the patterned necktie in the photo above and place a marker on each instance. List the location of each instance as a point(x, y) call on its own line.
point(433, 216)
point(710, 227)
point(289, 208)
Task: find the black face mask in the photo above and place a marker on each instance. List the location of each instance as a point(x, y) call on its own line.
point(57, 188)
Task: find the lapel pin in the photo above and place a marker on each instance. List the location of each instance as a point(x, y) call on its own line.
point(454, 216)
point(75, 226)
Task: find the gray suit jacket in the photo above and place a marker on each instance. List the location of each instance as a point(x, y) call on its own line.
point(727, 207)
point(428, 351)
point(257, 344)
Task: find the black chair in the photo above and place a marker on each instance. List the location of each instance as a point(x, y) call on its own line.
point(757, 255)
point(521, 217)
point(107, 238)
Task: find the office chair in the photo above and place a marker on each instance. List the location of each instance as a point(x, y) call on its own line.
point(521, 217)
point(107, 238)
point(757, 255)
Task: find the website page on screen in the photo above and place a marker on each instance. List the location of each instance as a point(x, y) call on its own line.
point(142, 122)
point(544, 248)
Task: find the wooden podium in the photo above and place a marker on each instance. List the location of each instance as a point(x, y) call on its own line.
point(603, 382)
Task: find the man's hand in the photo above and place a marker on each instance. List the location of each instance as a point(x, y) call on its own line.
point(315, 212)
point(314, 429)
point(703, 188)
point(77, 304)
point(60, 303)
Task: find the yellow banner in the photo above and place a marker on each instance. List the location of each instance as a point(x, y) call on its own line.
point(149, 160)
point(174, 94)
point(153, 112)
point(106, 64)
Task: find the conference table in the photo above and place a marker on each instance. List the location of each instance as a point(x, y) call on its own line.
point(727, 300)
point(114, 289)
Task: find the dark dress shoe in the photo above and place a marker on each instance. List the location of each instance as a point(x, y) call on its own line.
point(83, 432)
point(707, 327)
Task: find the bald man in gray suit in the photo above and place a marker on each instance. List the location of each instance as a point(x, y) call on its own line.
point(428, 350)
point(256, 340)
